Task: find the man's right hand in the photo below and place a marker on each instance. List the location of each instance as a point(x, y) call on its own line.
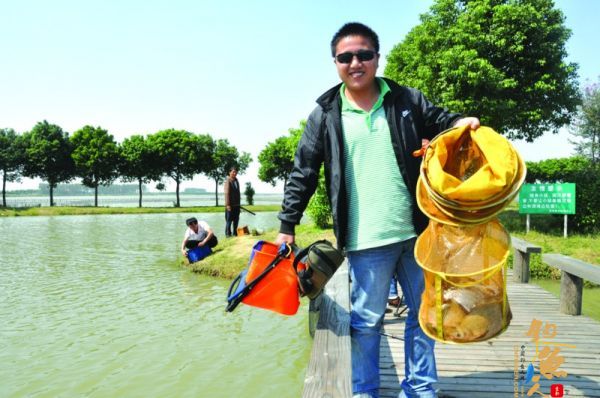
point(284, 238)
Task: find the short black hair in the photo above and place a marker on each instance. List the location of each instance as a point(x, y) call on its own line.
point(354, 29)
point(191, 220)
point(233, 168)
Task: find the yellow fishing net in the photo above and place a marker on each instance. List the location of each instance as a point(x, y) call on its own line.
point(467, 177)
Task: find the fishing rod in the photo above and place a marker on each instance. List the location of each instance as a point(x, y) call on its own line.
point(391, 336)
point(249, 211)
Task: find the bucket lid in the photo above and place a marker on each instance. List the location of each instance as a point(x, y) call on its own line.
point(470, 165)
point(468, 177)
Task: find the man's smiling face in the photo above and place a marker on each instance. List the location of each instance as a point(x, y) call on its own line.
point(358, 75)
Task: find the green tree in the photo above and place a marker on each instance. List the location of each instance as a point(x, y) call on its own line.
point(249, 193)
point(12, 158)
point(224, 157)
point(501, 60)
point(96, 157)
point(586, 130)
point(318, 208)
point(138, 162)
point(277, 159)
point(48, 155)
point(181, 154)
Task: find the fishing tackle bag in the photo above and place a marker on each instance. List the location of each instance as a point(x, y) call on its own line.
point(321, 260)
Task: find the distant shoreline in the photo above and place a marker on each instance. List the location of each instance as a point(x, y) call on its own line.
point(86, 210)
point(24, 193)
point(153, 199)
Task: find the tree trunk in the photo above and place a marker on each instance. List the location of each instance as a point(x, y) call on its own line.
point(4, 189)
point(140, 190)
point(216, 192)
point(96, 195)
point(51, 186)
point(177, 191)
point(594, 157)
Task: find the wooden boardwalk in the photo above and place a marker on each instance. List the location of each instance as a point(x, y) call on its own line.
point(487, 369)
point(480, 370)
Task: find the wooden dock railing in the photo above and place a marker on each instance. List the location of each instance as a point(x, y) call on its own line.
point(329, 370)
point(521, 257)
point(574, 272)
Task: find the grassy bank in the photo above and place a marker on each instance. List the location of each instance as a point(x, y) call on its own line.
point(591, 296)
point(231, 255)
point(547, 232)
point(66, 210)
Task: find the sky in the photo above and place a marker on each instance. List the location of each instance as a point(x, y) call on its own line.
point(246, 71)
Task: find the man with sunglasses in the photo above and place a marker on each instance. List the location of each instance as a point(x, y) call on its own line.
point(364, 131)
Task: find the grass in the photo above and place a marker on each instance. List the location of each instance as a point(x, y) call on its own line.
point(547, 232)
point(231, 255)
point(76, 210)
point(591, 296)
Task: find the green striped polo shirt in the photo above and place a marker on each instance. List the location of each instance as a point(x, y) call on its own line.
point(379, 205)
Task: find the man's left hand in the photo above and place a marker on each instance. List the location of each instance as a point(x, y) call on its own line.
point(472, 122)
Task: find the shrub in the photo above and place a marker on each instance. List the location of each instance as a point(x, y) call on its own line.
point(318, 207)
point(249, 192)
point(537, 269)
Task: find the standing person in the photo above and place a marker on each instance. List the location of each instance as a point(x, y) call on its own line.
point(364, 130)
point(232, 202)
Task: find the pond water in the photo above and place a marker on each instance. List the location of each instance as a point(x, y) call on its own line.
point(100, 306)
point(148, 200)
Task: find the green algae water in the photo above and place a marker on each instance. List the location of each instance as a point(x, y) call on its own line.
point(100, 306)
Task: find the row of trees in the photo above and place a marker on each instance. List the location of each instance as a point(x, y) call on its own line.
point(92, 154)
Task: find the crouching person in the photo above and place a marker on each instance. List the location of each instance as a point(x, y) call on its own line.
point(198, 234)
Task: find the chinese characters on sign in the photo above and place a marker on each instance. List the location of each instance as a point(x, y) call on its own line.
point(547, 199)
point(546, 362)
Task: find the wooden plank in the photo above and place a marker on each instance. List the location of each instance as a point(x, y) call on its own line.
point(329, 371)
point(483, 369)
point(574, 272)
point(521, 258)
point(587, 271)
point(524, 246)
point(571, 293)
point(486, 369)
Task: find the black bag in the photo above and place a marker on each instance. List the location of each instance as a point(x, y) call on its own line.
point(321, 260)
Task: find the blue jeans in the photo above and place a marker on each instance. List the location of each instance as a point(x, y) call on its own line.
point(232, 217)
point(371, 271)
point(393, 288)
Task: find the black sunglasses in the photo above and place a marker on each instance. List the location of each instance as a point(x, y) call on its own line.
point(362, 55)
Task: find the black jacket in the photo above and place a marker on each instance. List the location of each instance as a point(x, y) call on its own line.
point(410, 116)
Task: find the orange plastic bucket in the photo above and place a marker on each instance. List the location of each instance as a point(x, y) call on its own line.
point(278, 290)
